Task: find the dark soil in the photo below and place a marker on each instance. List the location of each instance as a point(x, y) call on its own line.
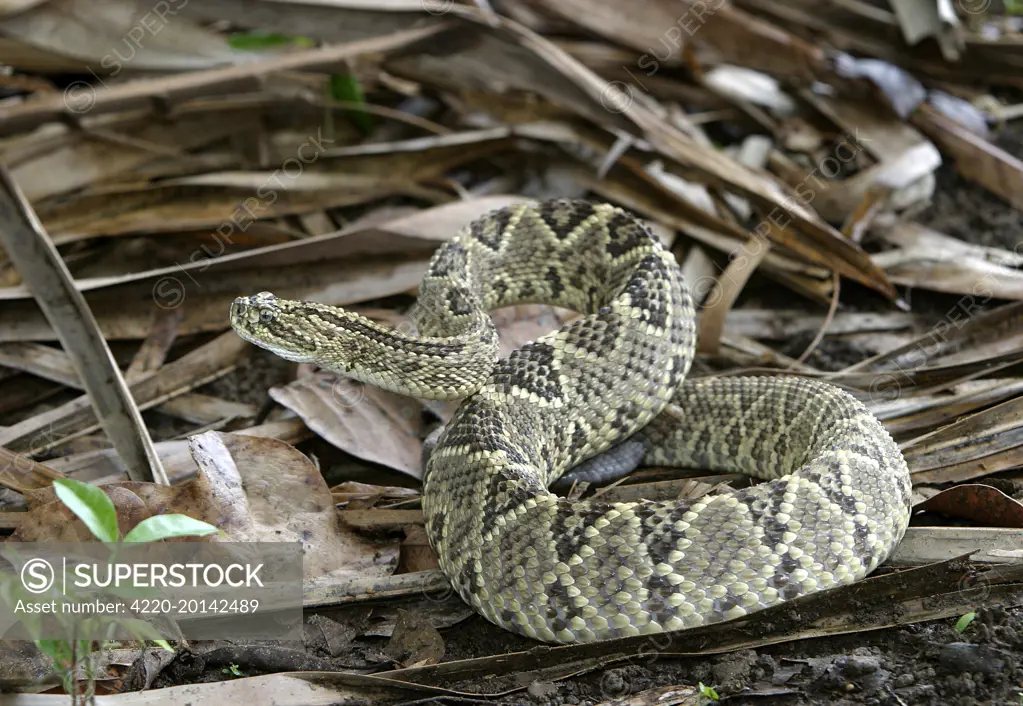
point(970, 212)
point(927, 664)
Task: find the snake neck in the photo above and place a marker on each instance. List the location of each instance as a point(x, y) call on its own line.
point(450, 367)
point(428, 367)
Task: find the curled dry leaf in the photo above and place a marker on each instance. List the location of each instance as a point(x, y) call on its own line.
point(269, 491)
point(726, 290)
point(981, 503)
point(932, 260)
point(367, 422)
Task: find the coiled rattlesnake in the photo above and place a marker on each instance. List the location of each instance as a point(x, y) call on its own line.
point(837, 500)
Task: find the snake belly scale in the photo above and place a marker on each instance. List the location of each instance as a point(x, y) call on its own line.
point(836, 500)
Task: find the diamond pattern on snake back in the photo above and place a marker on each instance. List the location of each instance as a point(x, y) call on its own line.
point(576, 571)
point(546, 407)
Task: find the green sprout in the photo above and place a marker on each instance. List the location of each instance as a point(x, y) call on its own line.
point(964, 621)
point(92, 506)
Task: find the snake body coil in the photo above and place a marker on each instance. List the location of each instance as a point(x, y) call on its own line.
point(837, 500)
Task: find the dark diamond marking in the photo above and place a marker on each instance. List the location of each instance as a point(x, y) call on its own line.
point(449, 258)
point(563, 217)
point(531, 370)
point(626, 233)
point(490, 230)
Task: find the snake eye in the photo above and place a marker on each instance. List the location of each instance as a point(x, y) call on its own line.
point(266, 316)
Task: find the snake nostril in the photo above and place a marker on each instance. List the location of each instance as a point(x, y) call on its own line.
point(240, 308)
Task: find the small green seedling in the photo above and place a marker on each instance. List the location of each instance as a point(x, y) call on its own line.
point(233, 670)
point(708, 692)
point(92, 506)
point(964, 621)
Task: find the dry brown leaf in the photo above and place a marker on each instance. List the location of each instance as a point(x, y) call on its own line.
point(269, 491)
point(970, 438)
point(46, 275)
point(49, 520)
point(931, 260)
point(353, 490)
point(367, 422)
point(956, 337)
point(113, 35)
point(332, 178)
point(20, 473)
point(46, 430)
point(415, 641)
point(416, 552)
point(981, 503)
point(973, 468)
point(501, 58)
point(280, 497)
point(642, 25)
point(141, 94)
point(83, 161)
point(726, 290)
point(418, 233)
point(103, 466)
point(922, 413)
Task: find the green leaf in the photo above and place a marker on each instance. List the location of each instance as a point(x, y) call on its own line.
point(345, 87)
point(91, 505)
point(964, 621)
point(708, 692)
point(159, 527)
point(252, 41)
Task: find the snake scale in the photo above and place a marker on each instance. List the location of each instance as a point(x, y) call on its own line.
point(837, 498)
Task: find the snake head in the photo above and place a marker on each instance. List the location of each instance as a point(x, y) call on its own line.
point(276, 325)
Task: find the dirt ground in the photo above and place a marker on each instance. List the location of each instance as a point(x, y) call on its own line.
point(924, 664)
